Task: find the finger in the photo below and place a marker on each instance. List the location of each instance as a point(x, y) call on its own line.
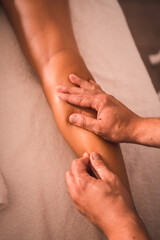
point(102, 170)
point(69, 178)
point(91, 170)
point(85, 154)
point(80, 82)
point(73, 90)
point(93, 173)
point(85, 122)
point(94, 83)
point(82, 100)
point(70, 183)
point(79, 167)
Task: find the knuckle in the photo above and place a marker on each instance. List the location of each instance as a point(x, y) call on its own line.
point(98, 86)
point(68, 89)
point(75, 162)
point(67, 173)
point(83, 99)
point(100, 98)
point(96, 129)
point(82, 121)
point(81, 185)
point(81, 90)
point(98, 163)
point(76, 99)
point(74, 197)
point(70, 98)
point(105, 98)
point(100, 129)
point(108, 98)
point(71, 90)
point(113, 136)
point(81, 82)
point(93, 87)
point(112, 178)
point(96, 101)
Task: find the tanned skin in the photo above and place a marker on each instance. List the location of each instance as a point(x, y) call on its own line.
point(44, 31)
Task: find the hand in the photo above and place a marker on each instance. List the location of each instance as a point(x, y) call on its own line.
point(115, 122)
point(104, 201)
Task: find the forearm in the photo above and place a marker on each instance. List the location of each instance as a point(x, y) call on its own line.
point(147, 132)
point(49, 45)
point(131, 229)
point(128, 227)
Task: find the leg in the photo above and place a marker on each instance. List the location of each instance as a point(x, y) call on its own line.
point(47, 41)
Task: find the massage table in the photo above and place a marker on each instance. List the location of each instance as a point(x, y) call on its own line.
point(34, 202)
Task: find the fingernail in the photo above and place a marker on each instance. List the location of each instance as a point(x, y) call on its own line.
point(95, 156)
point(85, 154)
point(72, 75)
point(73, 118)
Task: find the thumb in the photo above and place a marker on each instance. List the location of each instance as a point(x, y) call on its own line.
point(85, 122)
point(99, 166)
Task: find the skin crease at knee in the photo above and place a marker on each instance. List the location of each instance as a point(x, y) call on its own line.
point(59, 35)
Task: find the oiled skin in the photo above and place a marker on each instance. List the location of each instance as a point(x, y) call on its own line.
point(44, 30)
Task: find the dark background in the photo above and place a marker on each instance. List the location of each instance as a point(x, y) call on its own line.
point(143, 17)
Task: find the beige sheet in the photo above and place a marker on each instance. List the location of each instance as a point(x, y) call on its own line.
point(34, 156)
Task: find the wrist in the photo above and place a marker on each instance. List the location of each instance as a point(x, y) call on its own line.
point(127, 228)
point(132, 129)
point(136, 130)
point(147, 132)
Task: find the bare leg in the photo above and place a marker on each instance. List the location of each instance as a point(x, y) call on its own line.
point(44, 30)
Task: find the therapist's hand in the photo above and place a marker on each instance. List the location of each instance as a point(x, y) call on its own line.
point(105, 202)
point(114, 122)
